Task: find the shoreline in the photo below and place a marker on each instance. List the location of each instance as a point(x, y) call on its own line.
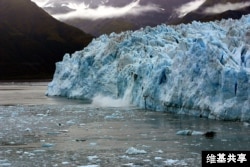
point(25, 80)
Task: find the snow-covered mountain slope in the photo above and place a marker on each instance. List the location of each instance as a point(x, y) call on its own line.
point(200, 69)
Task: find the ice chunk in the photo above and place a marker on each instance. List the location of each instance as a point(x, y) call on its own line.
point(39, 151)
point(92, 144)
point(159, 151)
point(70, 122)
point(133, 151)
point(128, 164)
point(184, 132)
point(116, 115)
point(65, 163)
point(173, 162)
point(89, 166)
point(158, 158)
point(91, 158)
point(47, 145)
point(189, 132)
point(197, 133)
point(4, 162)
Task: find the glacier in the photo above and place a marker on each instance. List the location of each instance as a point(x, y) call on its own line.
point(200, 69)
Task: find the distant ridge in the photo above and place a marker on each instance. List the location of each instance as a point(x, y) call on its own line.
point(198, 14)
point(32, 41)
point(167, 12)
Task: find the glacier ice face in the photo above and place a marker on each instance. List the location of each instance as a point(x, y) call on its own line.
point(200, 69)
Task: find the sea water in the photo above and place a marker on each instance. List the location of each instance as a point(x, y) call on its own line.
point(43, 131)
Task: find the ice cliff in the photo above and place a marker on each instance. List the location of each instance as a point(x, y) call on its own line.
point(200, 69)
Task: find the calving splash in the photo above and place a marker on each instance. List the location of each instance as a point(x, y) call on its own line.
point(106, 101)
point(200, 69)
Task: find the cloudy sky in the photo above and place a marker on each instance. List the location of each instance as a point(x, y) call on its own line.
point(99, 9)
point(188, 7)
point(219, 8)
point(85, 10)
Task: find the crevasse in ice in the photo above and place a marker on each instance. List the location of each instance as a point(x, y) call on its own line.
point(200, 69)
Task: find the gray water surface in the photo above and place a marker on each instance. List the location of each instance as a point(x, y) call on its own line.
point(41, 131)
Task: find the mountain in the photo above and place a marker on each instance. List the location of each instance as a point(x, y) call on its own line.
point(200, 69)
point(211, 14)
point(107, 16)
point(32, 40)
point(97, 19)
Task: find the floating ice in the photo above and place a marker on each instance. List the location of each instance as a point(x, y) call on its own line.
point(246, 123)
point(65, 163)
point(128, 164)
point(4, 162)
point(89, 166)
point(39, 151)
point(200, 69)
point(146, 160)
point(127, 157)
point(70, 122)
point(172, 162)
point(158, 158)
point(116, 115)
point(91, 158)
point(189, 132)
point(92, 144)
point(47, 145)
point(133, 151)
point(159, 151)
point(197, 133)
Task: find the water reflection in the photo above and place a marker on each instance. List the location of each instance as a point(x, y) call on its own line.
point(229, 135)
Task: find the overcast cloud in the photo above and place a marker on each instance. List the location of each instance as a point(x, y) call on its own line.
point(189, 7)
point(84, 11)
point(41, 3)
point(219, 8)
